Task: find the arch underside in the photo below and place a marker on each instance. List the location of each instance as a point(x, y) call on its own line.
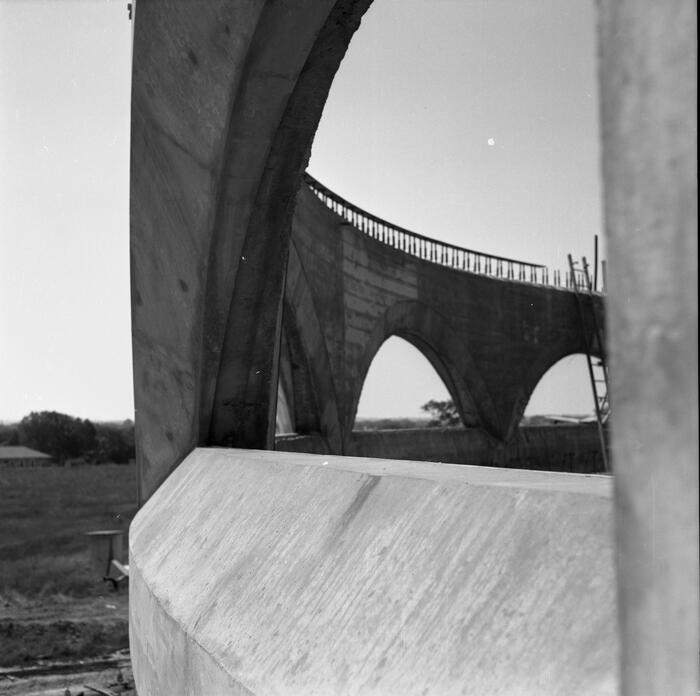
point(537, 372)
point(429, 333)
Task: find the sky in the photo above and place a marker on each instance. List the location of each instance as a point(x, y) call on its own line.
point(474, 122)
point(65, 337)
point(471, 121)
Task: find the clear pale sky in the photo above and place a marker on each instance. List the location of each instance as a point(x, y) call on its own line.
point(405, 134)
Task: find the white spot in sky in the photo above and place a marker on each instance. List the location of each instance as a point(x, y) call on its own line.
point(491, 142)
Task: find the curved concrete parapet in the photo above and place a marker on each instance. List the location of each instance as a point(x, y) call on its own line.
point(284, 573)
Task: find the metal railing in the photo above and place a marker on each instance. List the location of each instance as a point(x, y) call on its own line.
point(435, 251)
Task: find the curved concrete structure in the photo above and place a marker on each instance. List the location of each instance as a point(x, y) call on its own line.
point(270, 573)
point(226, 97)
point(224, 107)
point(490, 339)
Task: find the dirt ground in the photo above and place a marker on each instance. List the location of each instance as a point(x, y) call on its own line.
point(66, 646)
point(60, 623)
point(111, 676)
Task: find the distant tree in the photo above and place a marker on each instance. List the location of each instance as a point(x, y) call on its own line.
point(61, 436)
point(389, 423)
point(115, 442)
point(9, 434)
point(444, 413)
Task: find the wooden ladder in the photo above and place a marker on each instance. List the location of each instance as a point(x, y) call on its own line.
point(597, 367)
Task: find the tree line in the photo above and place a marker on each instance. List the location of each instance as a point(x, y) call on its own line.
point(65, 437)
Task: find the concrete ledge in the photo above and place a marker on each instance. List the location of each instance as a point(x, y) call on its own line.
point(282, 573)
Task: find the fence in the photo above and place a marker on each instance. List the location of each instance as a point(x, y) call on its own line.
point(434, 250)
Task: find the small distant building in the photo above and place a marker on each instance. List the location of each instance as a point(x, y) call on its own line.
point(18, 455)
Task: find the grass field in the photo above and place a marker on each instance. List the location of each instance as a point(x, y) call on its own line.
point(44, 513)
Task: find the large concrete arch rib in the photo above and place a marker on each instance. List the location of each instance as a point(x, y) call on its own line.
point(242, 401)
point(226, 99)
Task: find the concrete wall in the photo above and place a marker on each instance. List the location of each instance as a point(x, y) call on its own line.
point(572, 448)
point(490, 340)
point(226, 97)
point(268, 573)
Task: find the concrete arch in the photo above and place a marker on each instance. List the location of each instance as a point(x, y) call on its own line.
point(244, 382)
point(226, 98)
point(539, 368)
point(432, 335)
point(498, 329)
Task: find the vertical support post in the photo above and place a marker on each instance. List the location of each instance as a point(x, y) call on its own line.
point(595, 263)
point(648, 86)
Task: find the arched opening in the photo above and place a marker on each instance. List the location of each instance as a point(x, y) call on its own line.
point(285, 414)
point(284, 421)
point(563, 394)
point(399, 383)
